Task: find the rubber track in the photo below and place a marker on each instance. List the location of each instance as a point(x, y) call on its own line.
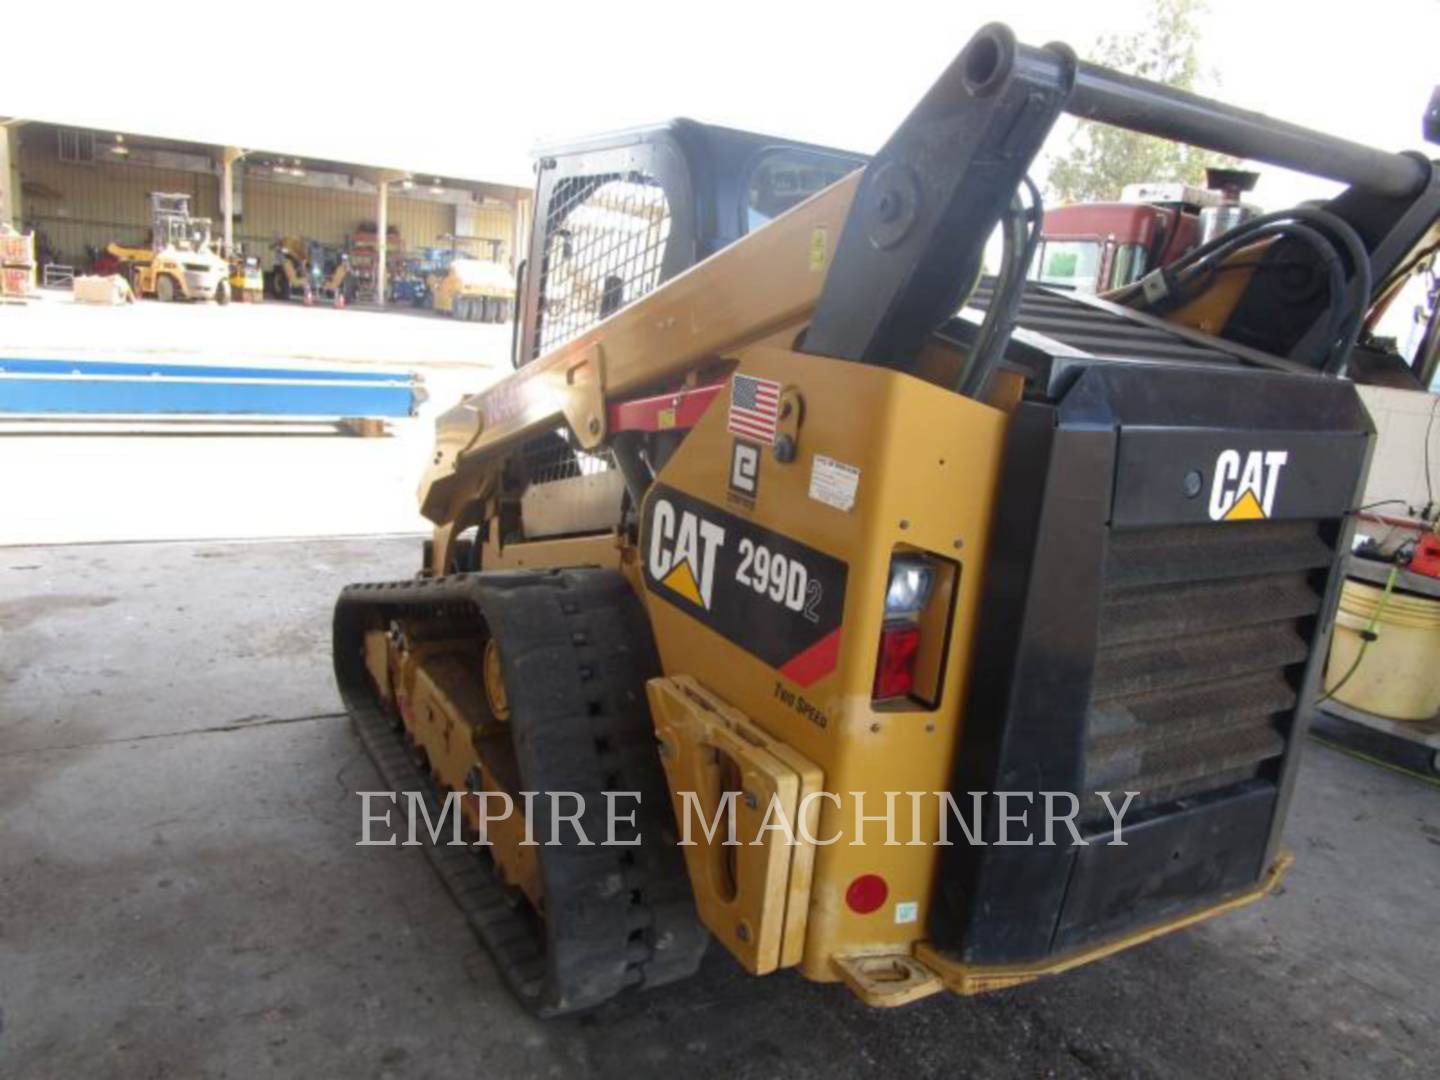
point(576, 651)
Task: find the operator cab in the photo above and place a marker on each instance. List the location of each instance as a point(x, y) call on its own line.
point(619, 214)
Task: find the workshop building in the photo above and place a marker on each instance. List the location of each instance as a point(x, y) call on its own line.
point(79, 190)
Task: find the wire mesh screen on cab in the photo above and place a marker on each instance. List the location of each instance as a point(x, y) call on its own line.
point(605, 242)
point(554, 456)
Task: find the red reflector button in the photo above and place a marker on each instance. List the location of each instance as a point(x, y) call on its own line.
point(866, 893)
point(895, 670)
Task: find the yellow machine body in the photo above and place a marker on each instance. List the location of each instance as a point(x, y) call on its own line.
point(180, 263)
point(247, 281)
point(192, 275)
point(294, 277)
point(907, 441)
point(473, 290)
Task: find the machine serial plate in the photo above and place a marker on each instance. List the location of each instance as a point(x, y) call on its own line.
point(775, 598)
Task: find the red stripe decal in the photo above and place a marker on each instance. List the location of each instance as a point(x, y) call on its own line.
point(644, 414)
point(815, 662)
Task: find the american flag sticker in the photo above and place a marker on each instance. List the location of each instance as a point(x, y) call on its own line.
point(754, 408)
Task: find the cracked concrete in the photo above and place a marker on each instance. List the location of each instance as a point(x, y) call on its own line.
point(180, 894)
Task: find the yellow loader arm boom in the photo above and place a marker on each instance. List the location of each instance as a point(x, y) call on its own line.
point(765, 283)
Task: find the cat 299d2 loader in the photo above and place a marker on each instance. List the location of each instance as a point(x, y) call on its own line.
point(792, 528)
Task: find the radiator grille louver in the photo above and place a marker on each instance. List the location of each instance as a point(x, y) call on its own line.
point(1204, 632)
point(1074, 321)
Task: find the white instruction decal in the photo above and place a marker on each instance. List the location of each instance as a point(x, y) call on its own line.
point(907, 911)
point(833, 482)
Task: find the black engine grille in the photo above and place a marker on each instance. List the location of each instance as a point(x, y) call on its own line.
point(1130, 643)
point(1204, 632)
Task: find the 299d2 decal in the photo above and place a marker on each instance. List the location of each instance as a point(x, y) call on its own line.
point(777, 599)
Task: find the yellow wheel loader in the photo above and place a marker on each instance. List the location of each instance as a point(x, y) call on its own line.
point(288, 276)
point(180, 263)
point(806, 590)
point(310, 271)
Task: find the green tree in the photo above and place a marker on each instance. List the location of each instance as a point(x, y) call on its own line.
point(1101, 160)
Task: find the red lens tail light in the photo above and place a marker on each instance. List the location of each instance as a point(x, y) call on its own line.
point(866, 893)
point(895, 670)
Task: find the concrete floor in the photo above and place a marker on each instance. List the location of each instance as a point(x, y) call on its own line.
point(180, 895)
point(272, 331)
point(225, 484)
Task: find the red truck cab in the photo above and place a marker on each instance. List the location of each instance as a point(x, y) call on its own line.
point(1096, 247)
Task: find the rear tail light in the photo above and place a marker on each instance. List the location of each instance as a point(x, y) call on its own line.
point(912, 581)
point(866, 893)
point(895, 670)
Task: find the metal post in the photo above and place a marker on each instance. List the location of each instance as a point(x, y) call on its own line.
point(519, 232)
point(382, 229)
point(227, 201)
point(9, 206)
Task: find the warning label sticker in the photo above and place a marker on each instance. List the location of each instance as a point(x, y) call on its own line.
point(819, 246)
point(833, 482)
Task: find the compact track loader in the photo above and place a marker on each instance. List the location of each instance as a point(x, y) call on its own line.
point(795, 530)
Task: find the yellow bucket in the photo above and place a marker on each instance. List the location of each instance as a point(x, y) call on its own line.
point(1399, 677)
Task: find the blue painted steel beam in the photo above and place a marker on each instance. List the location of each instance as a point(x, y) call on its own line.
point(99, 388)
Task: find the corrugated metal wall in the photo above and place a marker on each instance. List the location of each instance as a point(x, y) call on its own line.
point(274, 209)
point(78, 205)
point(494, 224)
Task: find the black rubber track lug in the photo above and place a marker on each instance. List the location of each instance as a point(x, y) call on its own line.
point(576, 652)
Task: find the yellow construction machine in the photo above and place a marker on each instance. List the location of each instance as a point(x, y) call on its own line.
point(247, 280)
point(474, 289)
point(309, 271)
point(288, 276)
point(807, 590)
point(180, 263)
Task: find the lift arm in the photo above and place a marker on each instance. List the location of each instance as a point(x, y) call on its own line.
point(930, 199)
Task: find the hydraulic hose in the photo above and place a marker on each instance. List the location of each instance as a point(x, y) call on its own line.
point(1019, 251)
point(1330, 227)
point(1366, 636)
point(1340, 297)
